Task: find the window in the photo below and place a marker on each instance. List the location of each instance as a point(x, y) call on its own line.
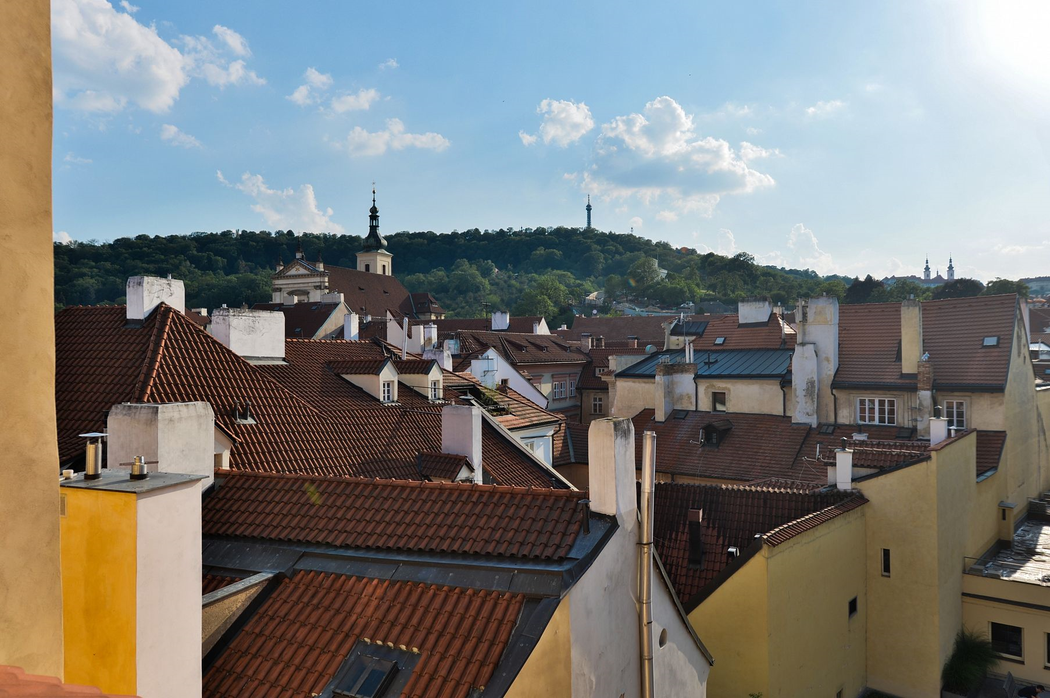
point(384, 269)
point(435, 390)
point(955, 413)
point(601, 371)
point(719, 341)
point(367, 267)
point(597, 405)
point(872, 410)
point(718, 402)
point(990, 342)
point(853, 607)
point(885, 562)
point(504, 381)
point(368, 677)
point(388, 391)
point(1007, 640)
point(572, 387)
point(559, 390)
point(1047, 660)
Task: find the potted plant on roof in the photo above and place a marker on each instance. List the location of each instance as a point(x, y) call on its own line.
point(972, 657)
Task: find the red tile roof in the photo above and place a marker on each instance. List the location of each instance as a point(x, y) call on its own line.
point(522, 348)
point(757, 446)
point(214, 582)
point(732, 516)
point(952, 330)
point(442, 465)
point(773, 334)
point(882, 455)
point(648, 329)
point(521, 325)
point(298, 639)
point(15, 682)
point(370, 294)
point(396, 515)
point(989, 450)
point(358, 367)
point(599, 359)
point(303, 320)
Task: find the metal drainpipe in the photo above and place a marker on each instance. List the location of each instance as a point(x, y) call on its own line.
point(645, 563)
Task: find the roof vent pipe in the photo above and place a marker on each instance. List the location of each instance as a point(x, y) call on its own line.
point(138, 468)
point(93, 455)
point(645, 563)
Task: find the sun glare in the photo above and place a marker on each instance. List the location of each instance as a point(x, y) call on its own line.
point(1012, 38)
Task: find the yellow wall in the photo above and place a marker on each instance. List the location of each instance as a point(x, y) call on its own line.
point(816, 648)
point(1035, 622)
point(30, 585)
point(751, 396)
point(632, 395)
point(98, 585)
point(734, 624)
point(548, 670)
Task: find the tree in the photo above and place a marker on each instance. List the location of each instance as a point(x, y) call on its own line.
point(867, 291)
point(905, 289)
point(960, 288)
point(833, 289)
point(972, 657)
point(643, 272)
point(1006, 286)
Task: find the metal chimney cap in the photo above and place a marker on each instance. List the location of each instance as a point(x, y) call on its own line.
point(92, 435)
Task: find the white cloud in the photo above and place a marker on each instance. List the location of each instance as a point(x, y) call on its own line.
point(874, 87)
point(749, 152)
point(667, 216)
point(657, 156)
point(363, 143)
point(358, 101)
point(308, 93)
point(70, 157)
point(61, 237)
point(527, 139)
point(725, 244)
point(636, 222)
point(822, 110)
point(128, 7)
point(173, 135)
point(294, 209)
point(736, 110)
point(234, 41)
point(105, 60)
point(390, 63)
point(808, 254)
point(564, 121)
point(752, 131)
point(223, 180)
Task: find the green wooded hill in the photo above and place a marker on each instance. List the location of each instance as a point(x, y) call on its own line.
point(534, 272)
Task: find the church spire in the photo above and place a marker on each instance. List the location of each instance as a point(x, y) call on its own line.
point(374, 241)
point(926, 269)
point(951, 269)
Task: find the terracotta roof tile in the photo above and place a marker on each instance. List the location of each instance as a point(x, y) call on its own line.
point(732, 516)
point(214, 582)
point(396, 515)
point(590, 376)
point(774, 334)
point(648, 329)
point(522, 348)
point(297, 640)
point(303, 320)
point(370, 294)
point(989, 450)
point(14, 682)
point(520, 325)
point(442, 465)
point(358, 367)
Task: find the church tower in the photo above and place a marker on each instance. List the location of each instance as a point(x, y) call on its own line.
point(373, 256)
point(926, 269)
point(951, 270)
point(588, 212)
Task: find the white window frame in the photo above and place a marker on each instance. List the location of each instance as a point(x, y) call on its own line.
point(598, 404)
point(951, 413)
point(558, 390)
point(876, 410)
point(572, 387)
point(435, 390)
point(386, 390)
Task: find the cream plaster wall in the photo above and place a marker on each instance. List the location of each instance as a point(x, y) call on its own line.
point(30, 582)
point(1033, 618)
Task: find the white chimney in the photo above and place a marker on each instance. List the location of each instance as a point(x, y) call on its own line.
point(441, 355)
point(754, 310)
point(351, 327)
point(430, 335)
point(333, 297)
point(611, 471)
point(911, 335)
point(804, 384)
point(144, 293)
point(818, 326)
point(461, 434)
point(938, 429)
point(500, 320)
point(535, 328)
point(844, 469)
point(675, 389)
point(203, 312)
point(179, 436)
point(253, 334)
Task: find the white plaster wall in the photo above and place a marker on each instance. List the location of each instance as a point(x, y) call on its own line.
point(757, 310)
point(541, 439)
point(250, 333)
point(679, 668)
point(821, 328)
point(491, 369)
point(461, 434)
point(420, 382)
point(144, 293)
point(179, 436)
point(804, 383)
point(168, 603)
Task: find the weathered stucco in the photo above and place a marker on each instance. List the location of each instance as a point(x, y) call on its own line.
point(30, 591)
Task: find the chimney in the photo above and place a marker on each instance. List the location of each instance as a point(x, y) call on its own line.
point(333, 297)
point(144, 293)
point(668, 326)
point(203, 312)
point(500, 320)
point(911, 336)
point(818, 327)
point(585, 342)
point(535, 328)
point(675, 389)
point(430, 336)
point(461, 434)
point(938, 428)
point(93, 455)
point(924, 398)
point(611, 470)
point(351, 327)
point(844, 467)
point(632, 341)
point(179, 437)
point(441, 354)
point(253, 334)
point(754, 310)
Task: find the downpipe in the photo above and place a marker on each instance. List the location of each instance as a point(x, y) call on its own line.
point(645, 564)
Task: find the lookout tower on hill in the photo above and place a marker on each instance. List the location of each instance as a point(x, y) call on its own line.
point(588, 212)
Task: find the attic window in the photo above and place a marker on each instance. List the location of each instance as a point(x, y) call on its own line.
point(990, 342)
point(719, 341)
point(827, 428)
point(367, 677)
point(680, 414)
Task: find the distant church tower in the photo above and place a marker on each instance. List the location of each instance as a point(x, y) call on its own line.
point(373, 256)
point(588, 212)
point(951, 270)
point(926, 270)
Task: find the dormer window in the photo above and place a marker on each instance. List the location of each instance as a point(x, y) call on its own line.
point(388, 391)
point(435, 390)
point(990, 342)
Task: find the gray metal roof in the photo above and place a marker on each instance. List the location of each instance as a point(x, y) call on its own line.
point(690, 328)
point(728, 363)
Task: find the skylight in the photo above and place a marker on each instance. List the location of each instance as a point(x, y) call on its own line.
point(990, 342)
point(720, 341)
point(366, 677)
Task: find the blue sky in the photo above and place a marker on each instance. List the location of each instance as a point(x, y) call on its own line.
point(847, 139)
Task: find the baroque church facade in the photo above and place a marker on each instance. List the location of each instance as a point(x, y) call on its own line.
point(926, 280)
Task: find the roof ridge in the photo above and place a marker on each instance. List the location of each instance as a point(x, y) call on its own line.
point(156, 342)
point(842, 506)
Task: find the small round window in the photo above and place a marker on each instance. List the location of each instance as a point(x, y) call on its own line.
point(663, 637)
